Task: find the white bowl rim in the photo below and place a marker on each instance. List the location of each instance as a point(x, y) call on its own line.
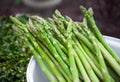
point(112, 40)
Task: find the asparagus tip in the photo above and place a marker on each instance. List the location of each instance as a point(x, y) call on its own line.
point(90, 10)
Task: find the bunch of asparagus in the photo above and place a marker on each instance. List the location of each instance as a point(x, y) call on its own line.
point(69, 51)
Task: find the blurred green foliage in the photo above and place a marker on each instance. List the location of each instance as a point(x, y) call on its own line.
point(14, 54)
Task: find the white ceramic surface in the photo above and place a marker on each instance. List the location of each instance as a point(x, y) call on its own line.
point(35, 74)
point(42, 4)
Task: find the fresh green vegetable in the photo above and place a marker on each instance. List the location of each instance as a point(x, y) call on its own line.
point(80, 53)
point(14, 53)
point(89, 16)
point(71, 55)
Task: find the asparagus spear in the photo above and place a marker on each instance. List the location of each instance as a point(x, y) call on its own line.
point(87, 80)
point(41, 63)
point(90, 18)
point(110, 59)
point(57, 56)
point(51, 38)
point(39, 49)
point(81, 68)
point(88, 68)
point(73, 66)
point(98, 53)
point(48, 53)
point(94, 67)
point(101, 61)
point(59, 36)
point(53, 50)
point(50, 46)
point(55, 62)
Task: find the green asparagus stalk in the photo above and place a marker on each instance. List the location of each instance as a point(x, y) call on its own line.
point(90, 55)
point(62, 47)
point(55, 62)
point(41, 63)
point(51, 64)
point(83, 39)
point(85, 76)
point(51, 38)
point(94, 67)
point(59, 36)
point(64, 74)
point(62, 37)
point(76, 58)
point(81, 68)
point(110, 59)
point(73, 66)
point(90, 18)
point(101, 61)
point(72, 47)
point(113, 75)
point(90, 36)
point(32, 25)
point(39, 49)
point(56, 55)
point(76, 32)
point(87, 66)
point(98, 53)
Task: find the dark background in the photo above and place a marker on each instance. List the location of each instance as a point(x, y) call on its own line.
point(106, 12)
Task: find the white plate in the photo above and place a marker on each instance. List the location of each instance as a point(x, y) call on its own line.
point(35, 74)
